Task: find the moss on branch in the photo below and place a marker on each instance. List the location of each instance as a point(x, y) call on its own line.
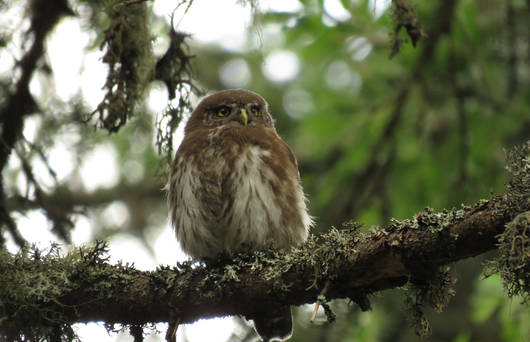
point(43, 293)
point(53, 291)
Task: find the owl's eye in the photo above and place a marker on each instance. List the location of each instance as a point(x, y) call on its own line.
point(255, 110)
point(223, 111)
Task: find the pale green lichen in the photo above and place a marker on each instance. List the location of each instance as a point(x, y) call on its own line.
point(428, 220)
point(35, 285)
point(435, 292)
point(32, 284)
point(513, 263)
point(230, 273)
point(128, 54)
point(518, 167)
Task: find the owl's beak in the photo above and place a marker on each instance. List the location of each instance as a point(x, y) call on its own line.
point(243, 116)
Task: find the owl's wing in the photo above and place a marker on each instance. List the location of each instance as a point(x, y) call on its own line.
point(194, 198)
point(289, 155)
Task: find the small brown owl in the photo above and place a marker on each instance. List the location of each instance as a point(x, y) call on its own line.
point(234, 186)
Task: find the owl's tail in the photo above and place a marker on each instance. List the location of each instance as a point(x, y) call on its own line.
point(275, 325)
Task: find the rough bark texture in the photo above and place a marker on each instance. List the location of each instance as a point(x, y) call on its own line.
point(82, 286)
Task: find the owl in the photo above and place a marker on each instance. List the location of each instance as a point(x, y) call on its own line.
point(234, 186)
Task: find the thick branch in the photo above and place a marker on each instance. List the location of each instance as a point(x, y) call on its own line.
point(83, 287)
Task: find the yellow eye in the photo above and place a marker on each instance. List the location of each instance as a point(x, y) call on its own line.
point(223, 111)
point(255, 110)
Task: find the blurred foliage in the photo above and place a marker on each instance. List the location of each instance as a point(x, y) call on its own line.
point(375, 137)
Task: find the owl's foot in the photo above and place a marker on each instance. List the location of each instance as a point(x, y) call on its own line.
point(275, 325)
point(171, 333)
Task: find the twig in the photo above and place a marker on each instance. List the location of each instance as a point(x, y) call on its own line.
point(321, 297)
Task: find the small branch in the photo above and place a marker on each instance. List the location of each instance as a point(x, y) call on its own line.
point(317, 304)
point(8, 221)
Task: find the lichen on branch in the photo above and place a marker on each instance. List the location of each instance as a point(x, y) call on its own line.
point(53, 291)
point(404, 16)
point(513, 262)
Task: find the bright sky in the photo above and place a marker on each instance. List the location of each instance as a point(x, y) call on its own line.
point(73, 71)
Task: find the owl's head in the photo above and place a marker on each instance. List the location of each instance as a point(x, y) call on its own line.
point(232, 108)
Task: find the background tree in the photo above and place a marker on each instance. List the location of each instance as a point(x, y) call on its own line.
point(376, 137)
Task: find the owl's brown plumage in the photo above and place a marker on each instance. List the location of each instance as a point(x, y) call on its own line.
point(234, 186)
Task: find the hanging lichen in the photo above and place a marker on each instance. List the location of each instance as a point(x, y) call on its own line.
point(513, 263)
point(128, 54)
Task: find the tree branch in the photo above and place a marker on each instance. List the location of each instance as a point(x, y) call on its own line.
point(63, 197)
point(45, 15)
point(20, 103)
point(82, 286)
